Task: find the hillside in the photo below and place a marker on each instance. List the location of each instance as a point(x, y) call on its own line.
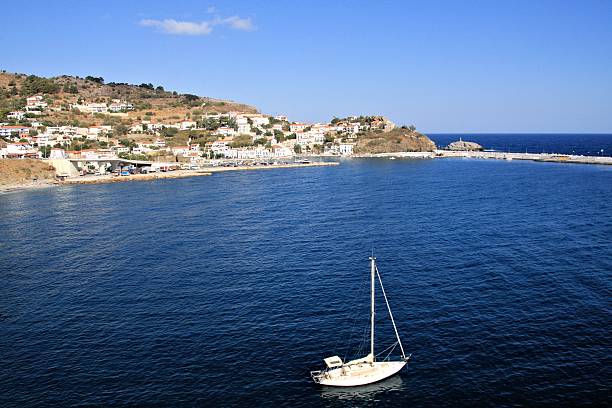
point(17, 172)
point(150, 102)
point(396, 140)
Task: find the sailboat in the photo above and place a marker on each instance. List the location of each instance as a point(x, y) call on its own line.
point(365, 370)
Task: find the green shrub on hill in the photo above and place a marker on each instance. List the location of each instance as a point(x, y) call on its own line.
point(34, 85)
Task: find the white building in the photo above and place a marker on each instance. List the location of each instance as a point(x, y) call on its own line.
point(243, 125)
point(19, 150)
point(35, 103)
point(98, 132)
point(219, 147)
point(297, 127)
point(58, 154)
point(226, 131)
point(281, 151)
point(119, 105)
point(91, 107)
point(8, 131)
point(259, 120)
point(346, 149)
point(16, 115)
point(123, 149)
point(257, 153)
point(180, 150)
point(187, 124)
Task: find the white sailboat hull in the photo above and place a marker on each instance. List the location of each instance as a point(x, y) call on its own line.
point(360, 374)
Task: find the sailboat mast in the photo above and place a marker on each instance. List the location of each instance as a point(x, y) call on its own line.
point(372, 311)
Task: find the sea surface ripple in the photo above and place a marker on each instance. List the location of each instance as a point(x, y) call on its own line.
point(226, 290)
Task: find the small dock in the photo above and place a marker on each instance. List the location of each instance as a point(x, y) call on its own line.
point(539, 157)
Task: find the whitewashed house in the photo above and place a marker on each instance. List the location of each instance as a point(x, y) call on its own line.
point(16, 115)
point(226, 131)
point(346, 149)
point(20, 150)
point(243, 125)
point(281, 151)
point(187, 124)
point(36, 103)
point(259, 120)
point(297, 127)
point(119, 105)
point(8, 131)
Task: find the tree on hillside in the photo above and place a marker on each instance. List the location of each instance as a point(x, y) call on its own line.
point(70, 88)
point(120, 130)
point(242, 141)
point(45, 150)
point(98, 80)
point(34, 85)
point(168, 131)
point(278, 135)
point(128, 143)
point(297, 149)
point(209, 124)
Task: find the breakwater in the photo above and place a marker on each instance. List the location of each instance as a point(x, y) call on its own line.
point(539, 157)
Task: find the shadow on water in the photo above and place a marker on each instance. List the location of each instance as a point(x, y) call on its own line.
point(364, 395)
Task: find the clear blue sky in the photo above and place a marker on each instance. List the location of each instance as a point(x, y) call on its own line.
point(444, 66)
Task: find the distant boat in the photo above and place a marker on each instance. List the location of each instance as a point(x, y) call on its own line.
point(391, 158)
point(365, 370)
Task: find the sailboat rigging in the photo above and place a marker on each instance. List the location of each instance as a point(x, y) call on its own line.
point(365, 370)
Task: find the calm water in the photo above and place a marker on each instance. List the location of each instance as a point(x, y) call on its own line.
point(227, 290)
point(585, 144)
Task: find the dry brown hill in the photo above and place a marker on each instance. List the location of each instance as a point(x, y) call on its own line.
point(397, 140)
point(150, 102)
point(24, 171)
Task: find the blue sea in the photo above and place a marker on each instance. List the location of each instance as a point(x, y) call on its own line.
point(594, 144)
point(227, 290)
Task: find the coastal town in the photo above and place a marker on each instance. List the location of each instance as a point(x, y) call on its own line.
point(231, 135)
point(81, 133)
point(107, 126)
point(83, 128)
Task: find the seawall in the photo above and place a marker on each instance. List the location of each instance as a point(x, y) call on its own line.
point(540, 157)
